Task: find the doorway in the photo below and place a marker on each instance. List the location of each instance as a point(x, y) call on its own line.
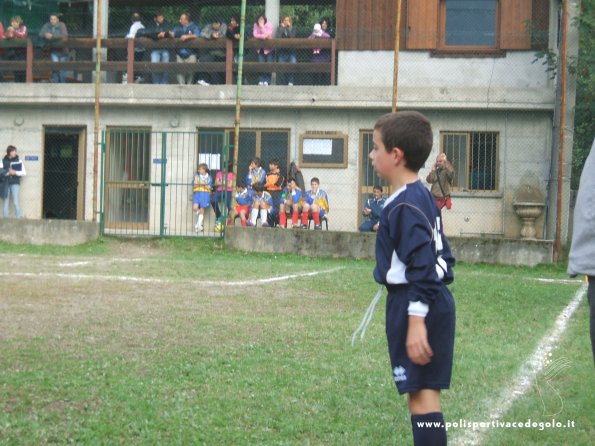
point(64, 173)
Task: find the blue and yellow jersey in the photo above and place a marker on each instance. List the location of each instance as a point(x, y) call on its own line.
point(293, 196)
point(264, 198)
point(202, 183)
point(319, 198)
point(255, 176)
point(244, 198)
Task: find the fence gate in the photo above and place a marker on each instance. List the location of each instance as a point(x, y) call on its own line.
point(147, 179)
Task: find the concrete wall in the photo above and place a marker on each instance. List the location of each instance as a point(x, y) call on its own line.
point(361, 246)
point(521, 117)
point(47, 232)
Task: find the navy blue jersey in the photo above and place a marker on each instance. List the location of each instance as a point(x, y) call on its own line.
point(411, 247)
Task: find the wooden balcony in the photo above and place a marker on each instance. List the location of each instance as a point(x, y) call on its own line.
point(120, 57)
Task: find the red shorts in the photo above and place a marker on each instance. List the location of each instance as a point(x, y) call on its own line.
point(242, 207)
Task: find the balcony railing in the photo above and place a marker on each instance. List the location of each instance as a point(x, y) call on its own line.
point(37, 64)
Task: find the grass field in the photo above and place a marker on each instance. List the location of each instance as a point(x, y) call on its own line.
point(183, 342)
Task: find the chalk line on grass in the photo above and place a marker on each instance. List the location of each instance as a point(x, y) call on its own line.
point(529, 371)
point(133, 279)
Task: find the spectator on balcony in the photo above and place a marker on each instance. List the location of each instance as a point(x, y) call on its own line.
point(17, 31)
point(234, 34)
point(136, 30)
point(325, 24)
point(216, 30)
point(286, 30)
point(1, 50)
point(54, 33)
point(320, 56)
point(263, 30)
point(160, 29)
point(186, 30)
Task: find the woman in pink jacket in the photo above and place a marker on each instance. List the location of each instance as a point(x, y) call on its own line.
point(263, 30)
point(17, 31)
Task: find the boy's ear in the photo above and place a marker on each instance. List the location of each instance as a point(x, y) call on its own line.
point(399, 156)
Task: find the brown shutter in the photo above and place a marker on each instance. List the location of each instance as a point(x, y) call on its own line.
point(366, 24)
point(422, 24)
point(515, 16)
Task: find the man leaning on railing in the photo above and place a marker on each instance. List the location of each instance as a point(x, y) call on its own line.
point(55, 32)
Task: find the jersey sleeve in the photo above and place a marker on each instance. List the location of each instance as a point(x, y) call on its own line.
point(412, 234)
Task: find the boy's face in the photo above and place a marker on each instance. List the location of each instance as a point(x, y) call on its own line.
point(253, 166)
point(314, 186)
point(377, 193)
point(273, 168)
point(382, 161)
point(202, 170)
point(258, 193)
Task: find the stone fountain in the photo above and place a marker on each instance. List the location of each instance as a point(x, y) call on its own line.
point(528, 205)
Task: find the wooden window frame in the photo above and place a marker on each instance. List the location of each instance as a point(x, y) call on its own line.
point(443, 48)
point(324, 135)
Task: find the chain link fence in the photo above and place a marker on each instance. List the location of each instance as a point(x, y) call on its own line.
point(496, 129)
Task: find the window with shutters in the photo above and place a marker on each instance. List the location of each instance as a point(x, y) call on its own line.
point(473, 26)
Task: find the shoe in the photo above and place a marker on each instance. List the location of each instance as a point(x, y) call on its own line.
point(290, 84)
point(138, 80)
point(265, 225)
point(201, 82)
point(304, 226)
point(200, 229)
point(261, 83)
point(196, 228)
point(318, 227)
point(265, 83)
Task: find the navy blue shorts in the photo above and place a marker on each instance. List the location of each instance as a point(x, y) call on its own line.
point(440, 323)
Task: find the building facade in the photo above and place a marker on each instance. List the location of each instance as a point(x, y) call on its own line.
point(471, 70)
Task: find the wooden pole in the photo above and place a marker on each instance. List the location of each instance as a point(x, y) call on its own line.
point(236, 139)
point(396, 64)
point(97, 109)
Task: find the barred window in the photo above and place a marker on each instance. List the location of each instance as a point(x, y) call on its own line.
point(475, 158)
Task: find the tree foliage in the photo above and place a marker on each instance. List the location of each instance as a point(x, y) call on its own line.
point(584, 68)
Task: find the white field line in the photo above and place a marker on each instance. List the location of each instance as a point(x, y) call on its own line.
point(532, 367)
point(155, 280)
point(89, 262)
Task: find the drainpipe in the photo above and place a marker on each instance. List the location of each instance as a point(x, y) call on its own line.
point(563, 56)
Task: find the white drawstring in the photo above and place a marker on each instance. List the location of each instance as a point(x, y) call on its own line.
point(367, 317)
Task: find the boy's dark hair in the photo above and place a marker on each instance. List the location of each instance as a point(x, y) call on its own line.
point(377, 187)
point(10, 149)
point(258, 187)
point(315, 180)
point(206, 167)
point(275, 162)
point(411, 132)
point(256, 160)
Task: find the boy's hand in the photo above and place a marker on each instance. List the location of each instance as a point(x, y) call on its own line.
point(418, 349)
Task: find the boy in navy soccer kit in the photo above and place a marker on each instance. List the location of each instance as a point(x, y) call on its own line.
point(414, 261)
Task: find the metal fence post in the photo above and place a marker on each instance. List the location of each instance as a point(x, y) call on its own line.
point(102, 186)
point(163, 183)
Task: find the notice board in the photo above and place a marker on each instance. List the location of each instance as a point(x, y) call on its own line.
point(323, 149)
